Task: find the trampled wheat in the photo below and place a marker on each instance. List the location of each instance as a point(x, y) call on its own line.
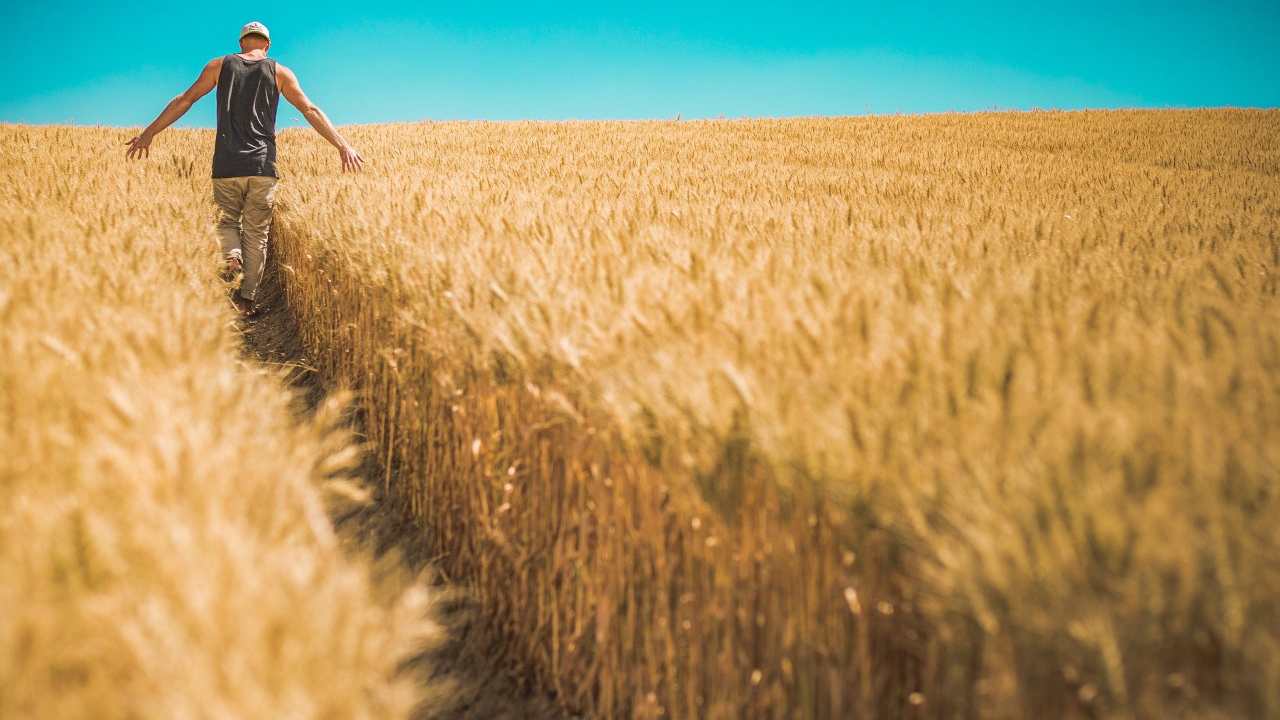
point(164, 547)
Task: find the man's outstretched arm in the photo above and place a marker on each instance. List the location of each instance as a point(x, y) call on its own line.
point(292, 92)
point(140, 145)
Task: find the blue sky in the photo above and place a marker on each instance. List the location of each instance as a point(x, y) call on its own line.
point(370, 62)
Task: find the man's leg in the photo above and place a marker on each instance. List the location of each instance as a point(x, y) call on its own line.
point(259, 202)
point(229, 194)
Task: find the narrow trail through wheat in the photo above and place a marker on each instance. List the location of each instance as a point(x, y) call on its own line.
point(460, 678)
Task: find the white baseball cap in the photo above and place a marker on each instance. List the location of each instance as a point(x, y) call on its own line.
point(255, 28)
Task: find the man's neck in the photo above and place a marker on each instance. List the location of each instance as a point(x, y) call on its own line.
point(256, 54)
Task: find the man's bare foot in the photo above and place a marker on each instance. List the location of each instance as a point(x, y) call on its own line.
point(231, 268)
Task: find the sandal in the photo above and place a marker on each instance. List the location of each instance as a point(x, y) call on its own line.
point(230, 268)
point(247, 308)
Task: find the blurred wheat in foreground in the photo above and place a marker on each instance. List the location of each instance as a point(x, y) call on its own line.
point(164, 547)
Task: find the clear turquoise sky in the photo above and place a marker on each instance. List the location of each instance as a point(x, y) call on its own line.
point(368, 62)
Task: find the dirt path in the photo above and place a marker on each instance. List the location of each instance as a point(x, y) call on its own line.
point(479, 686)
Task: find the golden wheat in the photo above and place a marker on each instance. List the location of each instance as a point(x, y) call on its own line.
point(898, 416)
point(164, 547)
point(888, 416)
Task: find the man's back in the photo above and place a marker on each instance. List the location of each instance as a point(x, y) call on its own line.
point(247, 100)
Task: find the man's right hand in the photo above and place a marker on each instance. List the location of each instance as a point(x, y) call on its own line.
point(351, 159)
point(292, 92)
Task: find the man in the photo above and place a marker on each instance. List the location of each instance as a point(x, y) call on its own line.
point(244, 154)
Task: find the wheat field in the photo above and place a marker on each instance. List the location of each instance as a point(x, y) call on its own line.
point(934, 416)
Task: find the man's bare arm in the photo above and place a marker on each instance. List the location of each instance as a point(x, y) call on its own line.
point(140, 145)
point(292, 92)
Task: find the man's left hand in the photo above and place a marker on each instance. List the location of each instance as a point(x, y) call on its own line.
point(139, 147)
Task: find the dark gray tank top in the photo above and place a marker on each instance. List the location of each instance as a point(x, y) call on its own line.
point(247, 100)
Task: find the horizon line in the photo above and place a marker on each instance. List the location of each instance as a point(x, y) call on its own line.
point(712, 118)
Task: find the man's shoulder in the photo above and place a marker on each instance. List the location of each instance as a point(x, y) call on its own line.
point(284, 73)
